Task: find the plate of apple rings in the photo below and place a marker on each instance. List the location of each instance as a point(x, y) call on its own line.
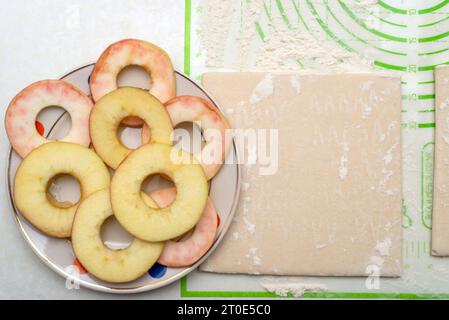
point(123, 175)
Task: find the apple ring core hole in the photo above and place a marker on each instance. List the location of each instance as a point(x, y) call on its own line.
point(130, 137)
point(156, 182)
point(63, 190)
point(52, 113)
point(134, 76)
point(114, 236)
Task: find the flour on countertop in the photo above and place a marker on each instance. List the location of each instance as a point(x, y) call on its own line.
point(284, 286)
point(215, 15)
point(284, 47)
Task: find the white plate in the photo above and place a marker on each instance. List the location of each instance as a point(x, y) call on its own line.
point(58, 254)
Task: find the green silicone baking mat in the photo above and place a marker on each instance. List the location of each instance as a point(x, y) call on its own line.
point(409, 37)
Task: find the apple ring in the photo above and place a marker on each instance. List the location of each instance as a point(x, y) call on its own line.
point(212, 123)
point(133, 52)
point(186, 251)
point(158, 224)
point(107, 264)
point(25, 107)
point(36, 171)
point(110, 110)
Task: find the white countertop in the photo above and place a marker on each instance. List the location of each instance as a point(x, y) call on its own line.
point(44, 39)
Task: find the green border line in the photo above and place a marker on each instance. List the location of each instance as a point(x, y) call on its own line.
point(260, 31)
point(432, 23)
point(267, 12)
point(283, 14)
point(426, 125)
point(426, 96)
point(432, 52)
point(391, 8)
point(326, 28)
point(421, 11)
point(434, 8)
point(295, 6)
point(185, 293)
point(427, 82)
point(187, 32)
point(434, 38)
point(432, 67)
point(390, 23)
point(389, 66)
point(383, 20)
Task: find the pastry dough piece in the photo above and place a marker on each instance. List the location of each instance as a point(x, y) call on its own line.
point(440, 214)
point(333, 206)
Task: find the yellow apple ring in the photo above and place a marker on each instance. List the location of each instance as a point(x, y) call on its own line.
point(107, 264)
point(159, 224)
point(36, 171)
point(110, 110)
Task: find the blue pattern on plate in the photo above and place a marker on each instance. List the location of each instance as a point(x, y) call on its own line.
point(157, 271)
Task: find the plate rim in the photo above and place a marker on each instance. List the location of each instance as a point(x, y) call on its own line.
point(143, 288)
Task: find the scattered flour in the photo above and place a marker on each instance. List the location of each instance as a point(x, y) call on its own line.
point(366, 110)
point(207, 269)
point(383, 247)
point(343, 168)
point(383, 182)
point(444, 104)
point(245, 186)
point(256, 260)
point(376, 262)
point(284, 47)
point(264, 89)
point(229, 111)
point(389, 155)
point(284, 286)
point(214, 15)
point(367, 85)
point(251, 227)
point(295, 81)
